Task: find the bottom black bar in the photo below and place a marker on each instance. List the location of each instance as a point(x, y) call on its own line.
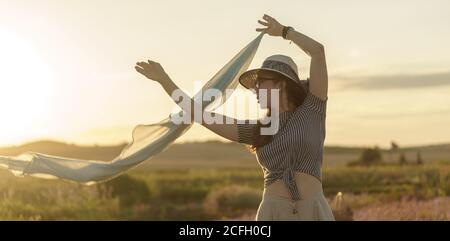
point(224, 230)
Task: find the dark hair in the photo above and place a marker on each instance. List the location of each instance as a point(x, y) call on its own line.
point(296, 94)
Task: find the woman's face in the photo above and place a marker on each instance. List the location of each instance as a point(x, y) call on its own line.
point(265, 84)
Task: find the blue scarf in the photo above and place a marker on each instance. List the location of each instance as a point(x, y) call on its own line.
point(148, 140)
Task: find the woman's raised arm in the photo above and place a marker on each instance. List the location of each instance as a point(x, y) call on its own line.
point(154, 71)
point(318, 75)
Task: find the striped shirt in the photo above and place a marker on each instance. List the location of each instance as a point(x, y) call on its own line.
point(296, 147)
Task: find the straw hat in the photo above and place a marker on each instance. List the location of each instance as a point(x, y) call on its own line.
point(276, 67)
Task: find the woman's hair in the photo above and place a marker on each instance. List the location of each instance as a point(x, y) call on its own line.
point(296, 94)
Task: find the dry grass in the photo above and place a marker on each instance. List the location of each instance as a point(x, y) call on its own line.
point(409, 192)
point(232, 201)
point(434, 209)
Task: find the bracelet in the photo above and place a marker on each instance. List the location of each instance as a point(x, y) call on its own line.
point(286, 30)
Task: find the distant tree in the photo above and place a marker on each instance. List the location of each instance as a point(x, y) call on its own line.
point(370, 156)
point(419, 158)
point(394, 146)
point(402, 160)
point(394, 149)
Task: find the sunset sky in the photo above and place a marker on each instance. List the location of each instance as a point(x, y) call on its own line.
point(67, 67)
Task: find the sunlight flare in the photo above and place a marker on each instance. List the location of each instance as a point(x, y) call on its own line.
point(26, 85)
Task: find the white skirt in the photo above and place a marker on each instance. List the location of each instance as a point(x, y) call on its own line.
point(277, 208)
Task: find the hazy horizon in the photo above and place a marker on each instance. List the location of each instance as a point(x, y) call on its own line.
point(200, 141)
point(66, 68)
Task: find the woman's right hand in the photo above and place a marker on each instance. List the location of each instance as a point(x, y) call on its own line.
point(272, 26)
point(152, 70)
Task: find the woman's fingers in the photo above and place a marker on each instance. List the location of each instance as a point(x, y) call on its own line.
point(267, 17)
point(148, 63)
point(263, 23)
point(139, 69)
point(261, 29)
point(147, 68)
point(141, 64)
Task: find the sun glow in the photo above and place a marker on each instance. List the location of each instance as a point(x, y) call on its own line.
point(26, 85)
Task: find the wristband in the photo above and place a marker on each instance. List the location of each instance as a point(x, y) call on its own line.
point(286, 30)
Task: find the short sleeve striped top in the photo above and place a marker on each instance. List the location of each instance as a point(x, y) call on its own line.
point(296, 147)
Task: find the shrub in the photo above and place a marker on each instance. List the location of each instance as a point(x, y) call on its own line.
point(369, 156)
point(232, 200)
point(129, 190)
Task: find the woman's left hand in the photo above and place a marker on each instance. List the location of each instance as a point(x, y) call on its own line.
point(152, 70)
point(274, 28)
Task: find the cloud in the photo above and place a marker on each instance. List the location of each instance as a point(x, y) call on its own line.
point(416, 114)
point(397, 81)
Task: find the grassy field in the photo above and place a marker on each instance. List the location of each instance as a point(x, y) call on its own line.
point(225, 183)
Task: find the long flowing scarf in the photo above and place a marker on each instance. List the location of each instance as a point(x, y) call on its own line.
point(148, 140)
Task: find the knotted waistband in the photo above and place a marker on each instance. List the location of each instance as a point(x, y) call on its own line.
point(289, 180)
point(310, 184)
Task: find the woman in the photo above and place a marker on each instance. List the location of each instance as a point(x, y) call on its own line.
point(292, 158)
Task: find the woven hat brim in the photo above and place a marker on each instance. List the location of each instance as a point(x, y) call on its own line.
point(248, 78)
